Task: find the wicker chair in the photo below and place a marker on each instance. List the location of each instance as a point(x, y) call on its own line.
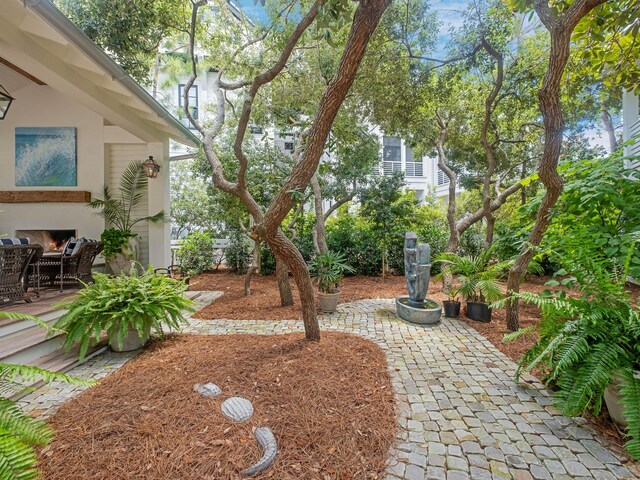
point(14, 265)
point(69, 269)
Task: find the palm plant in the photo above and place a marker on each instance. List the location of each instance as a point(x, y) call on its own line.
point(588, 339)
point(329, 269)
point(119, 210)
point(476, 277)
point(19, 432)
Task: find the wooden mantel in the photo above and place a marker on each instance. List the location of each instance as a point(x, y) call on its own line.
point(45, 196)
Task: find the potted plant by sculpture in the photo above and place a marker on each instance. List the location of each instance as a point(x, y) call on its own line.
point(328, 269)
point(451, 305)
point(477, 282)
point(126, 308)
point(119, 210)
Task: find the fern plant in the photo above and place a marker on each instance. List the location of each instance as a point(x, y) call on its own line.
point(114, 304)
point(588, 337)
point(19, 432)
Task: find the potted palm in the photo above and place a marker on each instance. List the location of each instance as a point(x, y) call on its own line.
point(452, 305)
point(328, 269)
point(119, 240)
point(126, 307)
point(477, 282)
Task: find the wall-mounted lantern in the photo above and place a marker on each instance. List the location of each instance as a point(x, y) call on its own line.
point(151, 167)
point(5, 102)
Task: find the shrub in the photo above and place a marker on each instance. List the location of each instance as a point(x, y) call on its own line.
point(238, 255)
point(267, 260)
point(196, 252)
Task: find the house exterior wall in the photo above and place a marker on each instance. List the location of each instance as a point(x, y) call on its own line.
point(41, 106)
point(631, 121)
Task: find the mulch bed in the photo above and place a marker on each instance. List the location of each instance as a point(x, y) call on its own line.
point(330, 405)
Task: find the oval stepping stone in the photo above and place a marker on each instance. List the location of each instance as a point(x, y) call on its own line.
point(267, 441)
point(207, 389)
point(237, 408)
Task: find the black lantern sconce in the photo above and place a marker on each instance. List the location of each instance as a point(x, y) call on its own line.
point(151, 167)
point(5, 102)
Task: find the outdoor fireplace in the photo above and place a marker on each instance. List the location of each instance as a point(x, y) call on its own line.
point(51, 240)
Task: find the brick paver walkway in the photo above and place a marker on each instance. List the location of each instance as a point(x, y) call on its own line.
point(460, 412)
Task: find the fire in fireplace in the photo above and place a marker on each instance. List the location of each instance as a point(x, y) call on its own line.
point(51, 240)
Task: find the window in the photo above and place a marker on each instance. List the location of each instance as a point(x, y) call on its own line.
point(288, 146)
point(255, 130)
point(442, 178)
point(193, 104)
point(392, 155)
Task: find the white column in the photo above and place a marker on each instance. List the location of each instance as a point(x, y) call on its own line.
point(160, 233)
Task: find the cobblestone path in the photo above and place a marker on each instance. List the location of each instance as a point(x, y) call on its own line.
point(461, 414)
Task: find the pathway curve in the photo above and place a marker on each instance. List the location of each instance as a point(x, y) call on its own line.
point(461, 414)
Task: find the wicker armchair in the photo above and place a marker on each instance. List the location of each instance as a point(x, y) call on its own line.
point(14, 265)
point(69, 269)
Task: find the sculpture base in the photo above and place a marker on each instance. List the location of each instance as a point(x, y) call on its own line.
point(426, 313)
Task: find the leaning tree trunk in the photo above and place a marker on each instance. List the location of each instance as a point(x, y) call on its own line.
point(291, 256)
point(284, 287)
point(319, 231)
point(560, 29)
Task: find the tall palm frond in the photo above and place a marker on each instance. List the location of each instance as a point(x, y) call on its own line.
point(118, 211)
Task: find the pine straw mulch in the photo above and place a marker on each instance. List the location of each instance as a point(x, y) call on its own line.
point(330, 405)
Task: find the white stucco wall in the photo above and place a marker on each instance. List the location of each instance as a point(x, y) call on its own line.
point(41, 106)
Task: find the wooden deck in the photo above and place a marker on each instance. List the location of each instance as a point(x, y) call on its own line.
point(23, 342)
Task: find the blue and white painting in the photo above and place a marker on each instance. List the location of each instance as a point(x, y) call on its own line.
point(46, 156)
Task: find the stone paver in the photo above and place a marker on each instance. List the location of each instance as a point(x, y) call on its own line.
point(460, 413)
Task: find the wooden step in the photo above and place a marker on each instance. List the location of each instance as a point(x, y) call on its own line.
point(10, 345)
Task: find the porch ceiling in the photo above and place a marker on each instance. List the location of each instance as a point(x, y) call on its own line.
point(48, 52)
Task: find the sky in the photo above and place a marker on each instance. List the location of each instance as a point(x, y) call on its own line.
point(449, 13)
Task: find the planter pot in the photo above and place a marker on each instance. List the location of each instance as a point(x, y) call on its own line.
point(130, 342)
point(122, 262)
point(328, 301)
point(451, 308)
point(478, 311)
point(613, 399)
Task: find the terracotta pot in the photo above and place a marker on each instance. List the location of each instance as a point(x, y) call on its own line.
point(329, 301)
point(613, 399)
point(122, 262)
point(130, 342)
point(451, 308)
point(478, 311)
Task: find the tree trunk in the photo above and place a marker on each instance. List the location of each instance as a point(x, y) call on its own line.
point(560, 29)
point(489, 146)
point(282, 274)
point(453, 244)
point(611, 133)
point(319, 231)
point(255, 262)
point(287, 251)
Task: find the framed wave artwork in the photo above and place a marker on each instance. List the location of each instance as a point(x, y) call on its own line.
point(46, 156)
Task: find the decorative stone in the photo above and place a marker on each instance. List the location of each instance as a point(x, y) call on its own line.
point(266, 440)
point(237, 408)
point(207, 389)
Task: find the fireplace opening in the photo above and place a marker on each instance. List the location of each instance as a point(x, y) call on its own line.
point(51, 240)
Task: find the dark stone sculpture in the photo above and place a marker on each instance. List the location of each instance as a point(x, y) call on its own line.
point(417, 270)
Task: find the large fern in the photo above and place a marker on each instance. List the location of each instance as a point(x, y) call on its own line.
point(588, 337)
point(20, 433)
